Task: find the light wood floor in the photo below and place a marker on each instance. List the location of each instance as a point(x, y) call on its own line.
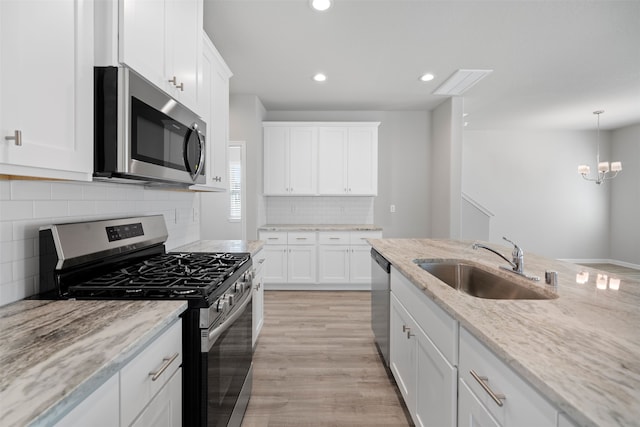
point(316, 364)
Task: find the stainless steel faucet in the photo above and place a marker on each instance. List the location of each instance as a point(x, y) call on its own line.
point(517, 262)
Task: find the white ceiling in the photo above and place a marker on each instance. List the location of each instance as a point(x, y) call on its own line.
point(554, 62)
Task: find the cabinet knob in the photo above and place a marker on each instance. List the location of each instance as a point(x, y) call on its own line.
point(17, 137)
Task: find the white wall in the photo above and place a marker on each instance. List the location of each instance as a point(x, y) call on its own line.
point(529, 180)
point(25, 205)
point(446, 169)
point(246, 114)
point(625, 196)
point(403, 165)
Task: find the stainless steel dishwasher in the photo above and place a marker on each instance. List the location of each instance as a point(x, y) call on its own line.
point(380, 302)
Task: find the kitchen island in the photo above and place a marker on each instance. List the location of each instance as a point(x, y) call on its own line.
point(580, 350)
point(54, 354)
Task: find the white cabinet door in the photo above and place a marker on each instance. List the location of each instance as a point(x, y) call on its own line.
point(332, 160)
point(436, 391)
point(184, 27)
point(302, 264)
point(46, 88)
point(165, 410)
point(259, 260)
point(363, 161)
point(303, 160)
point(100, 409)
point(403, 353)
point(162, 41)
point(275, 270)
point(142, 38)
point(471, 412)
point(276, 161)
point(360, 264)
point(213, 104)
point(333, 264)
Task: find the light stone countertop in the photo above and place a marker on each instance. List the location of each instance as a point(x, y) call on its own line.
point(581, 350)
point(320, 227)
point(233, 246)
point(53, 354)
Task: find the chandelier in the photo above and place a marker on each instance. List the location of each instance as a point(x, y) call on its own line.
point(605, 171)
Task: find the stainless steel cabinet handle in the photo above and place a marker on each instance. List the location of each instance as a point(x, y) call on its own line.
point(17, 137)
point(174, 80)
point(181, 86)
point(167, 361)
point(497, 397)
point(405, 328)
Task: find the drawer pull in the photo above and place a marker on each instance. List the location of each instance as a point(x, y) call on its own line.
point(167, 361)
point(301, 238)
point(497, 397)
point(334, 238)
point(272, 238)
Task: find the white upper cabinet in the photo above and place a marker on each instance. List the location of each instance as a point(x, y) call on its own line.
point(46, 88)
point(213, 101)
point(161, 40)
point(348, 160)
point(321, 158)
point(290, 158)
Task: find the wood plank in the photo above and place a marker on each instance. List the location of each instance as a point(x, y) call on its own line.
point(316, 364)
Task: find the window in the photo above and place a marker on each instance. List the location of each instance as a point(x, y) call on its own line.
point(235, 183)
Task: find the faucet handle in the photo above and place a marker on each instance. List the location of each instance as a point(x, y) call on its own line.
point(516, 249)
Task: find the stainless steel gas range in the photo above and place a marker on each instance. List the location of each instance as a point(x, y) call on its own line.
point(126, 259)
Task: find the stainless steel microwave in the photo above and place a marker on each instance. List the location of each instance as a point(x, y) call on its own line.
point(142, 134)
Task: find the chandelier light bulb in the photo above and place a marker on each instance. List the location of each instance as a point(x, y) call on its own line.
point(605, 170)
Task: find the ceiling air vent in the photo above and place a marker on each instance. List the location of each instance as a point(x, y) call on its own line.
point(460, 82)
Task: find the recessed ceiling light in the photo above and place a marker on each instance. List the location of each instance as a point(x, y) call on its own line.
point(427, 77)
point(319, 78)
point(321, 4)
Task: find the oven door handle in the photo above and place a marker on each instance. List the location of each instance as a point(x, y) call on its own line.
point(215, 333)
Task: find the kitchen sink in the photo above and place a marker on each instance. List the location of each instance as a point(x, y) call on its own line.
point(480, 283)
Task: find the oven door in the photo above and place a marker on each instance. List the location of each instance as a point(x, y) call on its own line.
point(227, 366)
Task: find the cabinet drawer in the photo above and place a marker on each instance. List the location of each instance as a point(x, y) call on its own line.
point(333, 237)
point(145, 375)
point(301, 238)
point(522, 404)
point(274, 237)
point(360, 237)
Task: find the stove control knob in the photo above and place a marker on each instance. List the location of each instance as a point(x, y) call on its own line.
point(230, 300)
point(238, 287)
point(221, 305)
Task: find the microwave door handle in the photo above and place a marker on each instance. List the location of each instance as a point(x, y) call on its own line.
point(194, 174)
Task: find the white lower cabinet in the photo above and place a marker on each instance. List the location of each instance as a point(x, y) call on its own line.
point(471, 412)
point(259, 260)
point(100, 409)
point(426, 379)
point(147, 391)
point(516, 403)
point(318, 260)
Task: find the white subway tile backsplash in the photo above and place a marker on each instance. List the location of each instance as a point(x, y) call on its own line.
point(27, 205)
point(10, 210)
point(51, 208)
point(64, 191)
point(30, 190)
point(319, 210)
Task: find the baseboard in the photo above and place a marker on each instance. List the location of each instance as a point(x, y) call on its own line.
point(602, 261)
